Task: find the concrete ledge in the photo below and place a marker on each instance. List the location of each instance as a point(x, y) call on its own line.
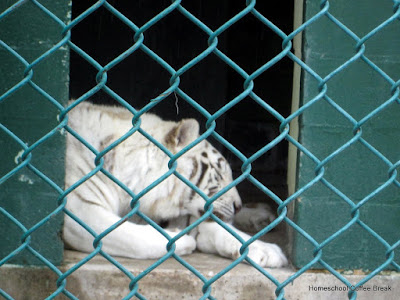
point(99, 280)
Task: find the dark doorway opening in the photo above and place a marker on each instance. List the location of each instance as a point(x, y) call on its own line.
point(212, 83)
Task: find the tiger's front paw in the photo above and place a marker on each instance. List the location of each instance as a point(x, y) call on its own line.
point(267, 255)
point(185, 245)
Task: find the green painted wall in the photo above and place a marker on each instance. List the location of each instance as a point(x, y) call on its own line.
point(30, 32)
point(356, 171)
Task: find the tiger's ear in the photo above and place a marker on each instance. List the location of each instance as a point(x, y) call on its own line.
point(183, 134)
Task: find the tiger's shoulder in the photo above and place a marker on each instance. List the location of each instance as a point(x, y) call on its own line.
point(107, 118)
point(103, 123)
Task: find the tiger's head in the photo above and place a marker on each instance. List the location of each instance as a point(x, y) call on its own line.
point(206, 168)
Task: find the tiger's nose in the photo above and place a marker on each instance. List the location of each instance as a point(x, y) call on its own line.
point(236, 207)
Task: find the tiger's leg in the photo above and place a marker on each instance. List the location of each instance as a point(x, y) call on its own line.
point(213, 238)
point(127, 240)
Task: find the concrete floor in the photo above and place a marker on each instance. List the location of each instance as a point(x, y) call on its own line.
point(98, 279)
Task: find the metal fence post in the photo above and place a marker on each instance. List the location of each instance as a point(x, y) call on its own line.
point(34, 68)
point(352, 130)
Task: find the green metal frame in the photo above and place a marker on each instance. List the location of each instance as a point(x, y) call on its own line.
point(351, 130)
point(31, 146)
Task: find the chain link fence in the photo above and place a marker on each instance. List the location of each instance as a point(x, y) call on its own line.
point(25, 159)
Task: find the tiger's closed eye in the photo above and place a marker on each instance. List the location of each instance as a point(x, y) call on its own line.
point(212, 191)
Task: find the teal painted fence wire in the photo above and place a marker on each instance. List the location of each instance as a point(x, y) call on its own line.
point(138, 45)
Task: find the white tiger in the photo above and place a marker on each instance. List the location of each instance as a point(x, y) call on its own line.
point(137, 162)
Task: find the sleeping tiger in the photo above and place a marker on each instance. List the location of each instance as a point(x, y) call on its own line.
point(137, 162)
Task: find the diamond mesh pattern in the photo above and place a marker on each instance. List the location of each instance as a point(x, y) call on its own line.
point(138, 45)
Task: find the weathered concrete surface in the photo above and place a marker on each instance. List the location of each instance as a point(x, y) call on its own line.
point(99, 280)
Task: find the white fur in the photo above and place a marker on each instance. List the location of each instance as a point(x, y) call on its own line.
point(137, 163)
